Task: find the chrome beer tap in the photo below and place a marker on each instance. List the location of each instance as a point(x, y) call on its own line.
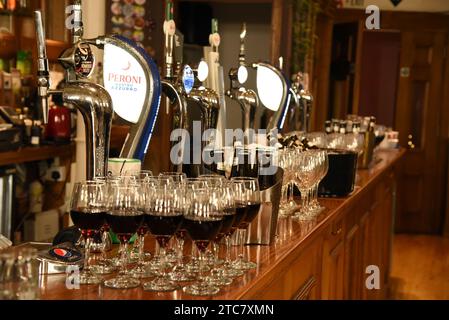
point(247, 98)
point(130, 77)
point(92, 100)
point(172, 87)
point(206, 98)
point(305, 99)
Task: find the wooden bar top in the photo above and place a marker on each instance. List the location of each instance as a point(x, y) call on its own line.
point(270, 259)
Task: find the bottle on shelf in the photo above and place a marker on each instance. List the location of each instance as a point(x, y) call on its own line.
point(328, 127)
point(369, 142)
point(342, 127)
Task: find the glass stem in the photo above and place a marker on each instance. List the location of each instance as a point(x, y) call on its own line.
point(284, 193)
point(180, 251)
point(86, 253)
point(141, 249)
point(163, 260)
point(228, 249)
point(242, 233)
point(303, 200)
point(201, 266)
point(216, 248)
point(124, 257)
point(103, 249)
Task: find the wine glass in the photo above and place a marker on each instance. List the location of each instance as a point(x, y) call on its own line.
point(322, 169)
point(88, 213)
point(176, 177)
point(224, 195)
point(124, 217)
point(164, 216)
point(246, 163)
point(106, 265)
point(203, 222)
point(305, 167)
point(247, 198)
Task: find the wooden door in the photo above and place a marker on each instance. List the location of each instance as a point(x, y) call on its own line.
point(418, 116)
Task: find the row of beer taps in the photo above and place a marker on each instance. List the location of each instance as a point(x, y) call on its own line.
point(180, 85)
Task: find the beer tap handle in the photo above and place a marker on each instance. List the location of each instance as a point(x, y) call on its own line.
point(42, 66)
point(169, 31)
point(78, 27)
point(242, 54)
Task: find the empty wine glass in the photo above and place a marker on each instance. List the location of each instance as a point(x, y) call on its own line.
point(305, 167)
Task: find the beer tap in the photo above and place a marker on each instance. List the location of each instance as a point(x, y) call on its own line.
point(274, 92)
point(305, 99)
point(247, 98)
point(92, 100)
point(206, 98)
point(129, 75)
point(172, 86)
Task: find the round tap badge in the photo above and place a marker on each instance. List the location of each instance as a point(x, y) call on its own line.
point(84, 61)
point(188, 79)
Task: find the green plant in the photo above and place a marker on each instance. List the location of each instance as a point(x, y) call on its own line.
point(303, 34)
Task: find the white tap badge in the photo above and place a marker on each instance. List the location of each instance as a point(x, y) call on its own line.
point(125, 81)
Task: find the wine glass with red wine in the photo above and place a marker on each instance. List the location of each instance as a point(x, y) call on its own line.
point(224, 195)
point(247, 198)
point(124, 217)
point(163, 215)
point(203, 221)
point(88, 213)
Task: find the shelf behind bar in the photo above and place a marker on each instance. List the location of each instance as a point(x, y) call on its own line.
point(30, 154)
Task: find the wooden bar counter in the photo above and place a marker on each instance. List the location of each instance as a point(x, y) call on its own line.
point(323, 259)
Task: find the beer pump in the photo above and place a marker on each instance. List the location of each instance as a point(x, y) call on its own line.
point(92, 100)
point(273, 90)
point(215, 81)
point(173, 87)
point(206, 98)
point(247, 98)
point(298, 118)
point(129, 75)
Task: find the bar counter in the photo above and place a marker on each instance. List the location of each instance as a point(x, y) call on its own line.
point(322, 259)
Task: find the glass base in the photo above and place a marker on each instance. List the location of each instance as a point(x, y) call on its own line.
point(219, 279)
point(141, 272)
point(103, 269)
point(201, 289)
point(304, 216)
point(230, 272)
point(194, 267)
point(181, 274)
point(160, 285)
point(122, 283)
point(244, 265)
point(89, 278)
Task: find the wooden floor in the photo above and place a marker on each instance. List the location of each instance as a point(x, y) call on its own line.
point(420, 268)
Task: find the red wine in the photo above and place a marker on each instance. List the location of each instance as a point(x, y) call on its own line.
point(202, 228)
point(163, 225)
point(202, 245)
point(124, 224)
point(240, 214)
point(181, 233)
point(252, 210)
point(228, 222)
point(86, 220)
